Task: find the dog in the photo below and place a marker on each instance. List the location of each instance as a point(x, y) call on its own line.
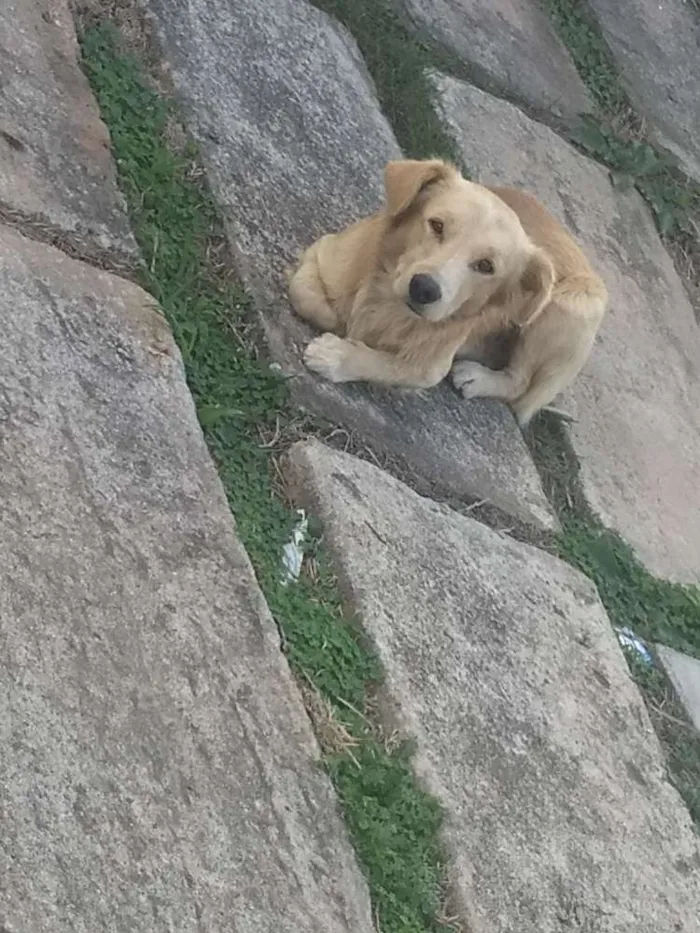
point(445, 269)
point(398, 293)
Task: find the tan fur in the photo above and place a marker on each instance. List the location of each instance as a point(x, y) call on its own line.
point(552, 349)
point(354, 286)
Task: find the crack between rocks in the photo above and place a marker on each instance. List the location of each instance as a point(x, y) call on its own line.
point(37, 228)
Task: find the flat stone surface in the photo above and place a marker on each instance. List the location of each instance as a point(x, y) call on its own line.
point(656, 45)
point(295, 148)
point(511, 48)
point(55, 163)
point(637, 403)
point(684, 673)
point(502, 665)
point(158, 771)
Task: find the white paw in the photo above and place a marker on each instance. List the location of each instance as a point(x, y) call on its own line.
point(327, 356)
point(469, 378)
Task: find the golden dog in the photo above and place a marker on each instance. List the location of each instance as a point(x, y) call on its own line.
point(450, 268)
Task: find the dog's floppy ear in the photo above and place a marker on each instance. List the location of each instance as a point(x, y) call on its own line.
point(405, 179)
point(536, 282)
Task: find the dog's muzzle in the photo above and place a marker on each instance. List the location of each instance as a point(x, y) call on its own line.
point(423, 290)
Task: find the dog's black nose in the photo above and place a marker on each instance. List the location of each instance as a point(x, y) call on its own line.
point(424, 290)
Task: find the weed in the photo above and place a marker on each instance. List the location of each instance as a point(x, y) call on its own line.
point(393, 824)
point(678, 736)
point(615, 137)
point(593, 60)
point(673, 198)
point(398, 61)
point(656, 610)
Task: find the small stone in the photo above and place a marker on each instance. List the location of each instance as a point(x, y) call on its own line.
point(684, 673)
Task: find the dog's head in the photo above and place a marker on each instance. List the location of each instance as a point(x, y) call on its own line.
point(449, 241)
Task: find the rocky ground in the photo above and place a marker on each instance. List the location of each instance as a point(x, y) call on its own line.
point(195, 737)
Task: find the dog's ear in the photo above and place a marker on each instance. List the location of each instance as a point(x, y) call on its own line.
point(536, 282)
point(405, 179)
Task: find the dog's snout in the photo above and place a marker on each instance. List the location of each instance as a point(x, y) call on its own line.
point(424, 290)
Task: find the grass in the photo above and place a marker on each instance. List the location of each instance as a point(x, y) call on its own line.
point(680, 739)
point(398, 60)
point(591, 56)
point(655, 609)
point(615, 136)
point(241, 404)
point(674, 199)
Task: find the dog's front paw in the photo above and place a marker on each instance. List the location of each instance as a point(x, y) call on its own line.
point(468, 378)
point(327, 355)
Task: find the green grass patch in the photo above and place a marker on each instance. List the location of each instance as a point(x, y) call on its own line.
point(613, 136)
point(656, 610)
point(593, 60)
point(673, 198)
point(678, 736)
point(397, 59)
point(394, 825)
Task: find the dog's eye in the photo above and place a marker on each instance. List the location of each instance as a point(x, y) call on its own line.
point(437, 226)
point(484, 266)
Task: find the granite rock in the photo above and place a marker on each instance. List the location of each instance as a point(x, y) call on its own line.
point(158, 770)
point(502, 666)
point(55, 165)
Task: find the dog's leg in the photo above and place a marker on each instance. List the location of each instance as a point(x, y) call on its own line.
point(549, 381)
point(544, 389)
point(558, 413)
point(342, 360)
point(411, 352)
point(474, 380)
point(308, 297)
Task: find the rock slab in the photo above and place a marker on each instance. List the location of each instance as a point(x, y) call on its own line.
point(510, 47)
point(656, 46)
point(684, 673)
point(158, 771)
point(55, 163)
point(501, 663)
point(637, 402)
point(295, 148)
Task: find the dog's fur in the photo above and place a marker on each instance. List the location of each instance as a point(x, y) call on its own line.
point(512, 284)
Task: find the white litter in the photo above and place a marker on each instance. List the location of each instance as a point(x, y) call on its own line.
point(293, 551)
point(628, 639)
